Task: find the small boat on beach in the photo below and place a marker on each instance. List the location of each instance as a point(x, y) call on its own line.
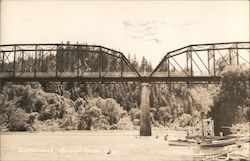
point(212, 137)
point(224, 142)
point(206, 143)
point(181, 142)
point(219, 143)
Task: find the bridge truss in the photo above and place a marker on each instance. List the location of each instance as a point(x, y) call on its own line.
point(201, 62)
point(63, 62)
point(92, 63)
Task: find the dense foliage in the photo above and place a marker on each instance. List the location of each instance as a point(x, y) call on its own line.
point(26, 107)
point(232, 103)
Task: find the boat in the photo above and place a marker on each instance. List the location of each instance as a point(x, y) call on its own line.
point(245, 139)
point(212, 137)
point(226, 142)
point(221, 137)
point(219, 143)
point(181, 142)
point(219, 155)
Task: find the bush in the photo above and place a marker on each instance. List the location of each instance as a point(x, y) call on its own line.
point(111, 110)
point(18, 121)
point(101, 123)
point(48, 125)
point(88, 118)
point(70, 119)
point(164, 114)
point(136, 122)
point(125, 123)
point(184, 120)
point(241, 129)
point(135, 113)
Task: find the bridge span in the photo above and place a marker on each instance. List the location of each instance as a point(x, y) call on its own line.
point(92, 63)
point(196, 63)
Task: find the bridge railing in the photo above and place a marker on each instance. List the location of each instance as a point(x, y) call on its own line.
point(65, 74)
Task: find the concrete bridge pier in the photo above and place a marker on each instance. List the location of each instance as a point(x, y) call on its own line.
point(145, 122)
point(1, 86)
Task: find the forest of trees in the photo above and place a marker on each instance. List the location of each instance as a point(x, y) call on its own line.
point(54, 106)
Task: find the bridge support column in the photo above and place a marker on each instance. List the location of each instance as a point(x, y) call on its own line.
point(1, 86)
point(145, 122)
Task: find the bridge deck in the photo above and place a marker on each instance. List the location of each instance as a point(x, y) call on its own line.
point(102, 77)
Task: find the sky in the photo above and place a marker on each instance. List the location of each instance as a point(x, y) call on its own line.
point(141, 28)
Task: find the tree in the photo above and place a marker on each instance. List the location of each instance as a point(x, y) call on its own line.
point(231, 105)
point(111, 110)
point(202, 100)
point(135, 63)
point(144, 64)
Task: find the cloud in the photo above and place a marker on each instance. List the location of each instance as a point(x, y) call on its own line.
point(144, 31)
point(155, 40)
point(142, 24)
point(186, 24)
point(155, 31)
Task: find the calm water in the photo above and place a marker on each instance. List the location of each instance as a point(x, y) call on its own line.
point(92, 145)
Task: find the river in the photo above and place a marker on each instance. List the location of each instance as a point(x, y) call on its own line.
point(93, 146)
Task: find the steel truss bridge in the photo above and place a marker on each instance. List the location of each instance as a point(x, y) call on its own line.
point(92, 63)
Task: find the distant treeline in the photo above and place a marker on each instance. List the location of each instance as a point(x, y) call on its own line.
point(72, 58)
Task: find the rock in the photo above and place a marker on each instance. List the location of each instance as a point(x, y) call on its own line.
point(166, 137)
point(109, 151)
